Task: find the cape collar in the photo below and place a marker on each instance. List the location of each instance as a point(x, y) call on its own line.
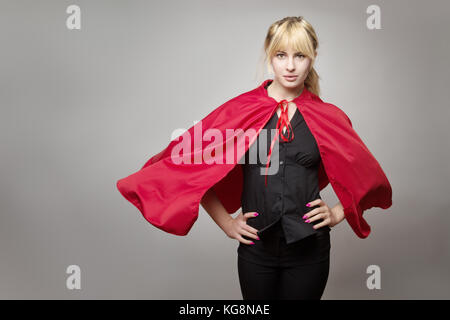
point(305, 95)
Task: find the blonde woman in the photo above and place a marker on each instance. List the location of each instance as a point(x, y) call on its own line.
point(284, 226)
point(284, 230)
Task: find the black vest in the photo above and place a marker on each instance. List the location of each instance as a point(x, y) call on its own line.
point(281, 204)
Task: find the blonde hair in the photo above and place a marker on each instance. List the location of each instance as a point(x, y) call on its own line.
point(297, 33)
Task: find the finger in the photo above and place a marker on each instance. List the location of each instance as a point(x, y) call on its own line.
point(313, 212)
point(244, 241)
point(315, 217)
point(250, 228)
point(251, 214)
point(314, 203)
point(321, 224)
point(249, 234)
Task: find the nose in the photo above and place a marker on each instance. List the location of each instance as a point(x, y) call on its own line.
point(290, 65)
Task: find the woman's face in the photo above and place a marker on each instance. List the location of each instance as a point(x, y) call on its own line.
point(290, 63)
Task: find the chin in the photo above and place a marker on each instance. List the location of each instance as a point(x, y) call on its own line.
point(291, 84)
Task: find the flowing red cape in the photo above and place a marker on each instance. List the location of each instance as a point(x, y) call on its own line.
point(168, 193)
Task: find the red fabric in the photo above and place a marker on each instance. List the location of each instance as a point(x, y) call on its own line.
point(168, 193)
point(283, 121)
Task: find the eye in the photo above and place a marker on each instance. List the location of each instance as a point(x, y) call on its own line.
point(282, 54)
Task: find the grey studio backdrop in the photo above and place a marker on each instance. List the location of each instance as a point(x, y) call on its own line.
point(81, 109)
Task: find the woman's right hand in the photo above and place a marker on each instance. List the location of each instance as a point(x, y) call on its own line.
point(237, 227)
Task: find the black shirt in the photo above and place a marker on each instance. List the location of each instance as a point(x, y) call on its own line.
point(282, 203)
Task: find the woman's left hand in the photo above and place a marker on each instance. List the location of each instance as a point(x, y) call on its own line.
point(330, 216)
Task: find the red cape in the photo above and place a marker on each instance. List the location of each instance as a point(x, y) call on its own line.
point(168, 194)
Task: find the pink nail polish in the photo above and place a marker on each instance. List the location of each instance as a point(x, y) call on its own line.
point(308, 205)
point(307, 220)
point(257, 238)
point(252, 243)
point(304, 217)
point(256, 214)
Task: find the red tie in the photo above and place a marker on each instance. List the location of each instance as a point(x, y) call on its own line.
point(283, 121)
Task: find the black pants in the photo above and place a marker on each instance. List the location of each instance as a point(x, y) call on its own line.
point(277, 270)
point(259, 282)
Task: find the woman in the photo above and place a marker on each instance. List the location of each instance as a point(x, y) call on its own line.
point(270, 268)
point(283, 229)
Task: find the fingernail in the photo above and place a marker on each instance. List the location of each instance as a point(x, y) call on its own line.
point(256, 214)
point(307, 204)
point(304, 217)
point(257, 238)
point(252, 243)
point(307, 220)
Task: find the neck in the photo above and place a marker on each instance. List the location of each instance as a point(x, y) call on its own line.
point(275, 89)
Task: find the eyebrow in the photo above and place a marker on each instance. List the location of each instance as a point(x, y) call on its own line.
point(285, 52)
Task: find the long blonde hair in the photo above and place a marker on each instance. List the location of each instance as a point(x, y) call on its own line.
point(297, 33)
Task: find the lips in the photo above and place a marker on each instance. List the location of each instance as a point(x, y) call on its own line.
point(291, 78)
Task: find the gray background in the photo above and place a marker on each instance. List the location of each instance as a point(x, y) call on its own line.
point(81, 109)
